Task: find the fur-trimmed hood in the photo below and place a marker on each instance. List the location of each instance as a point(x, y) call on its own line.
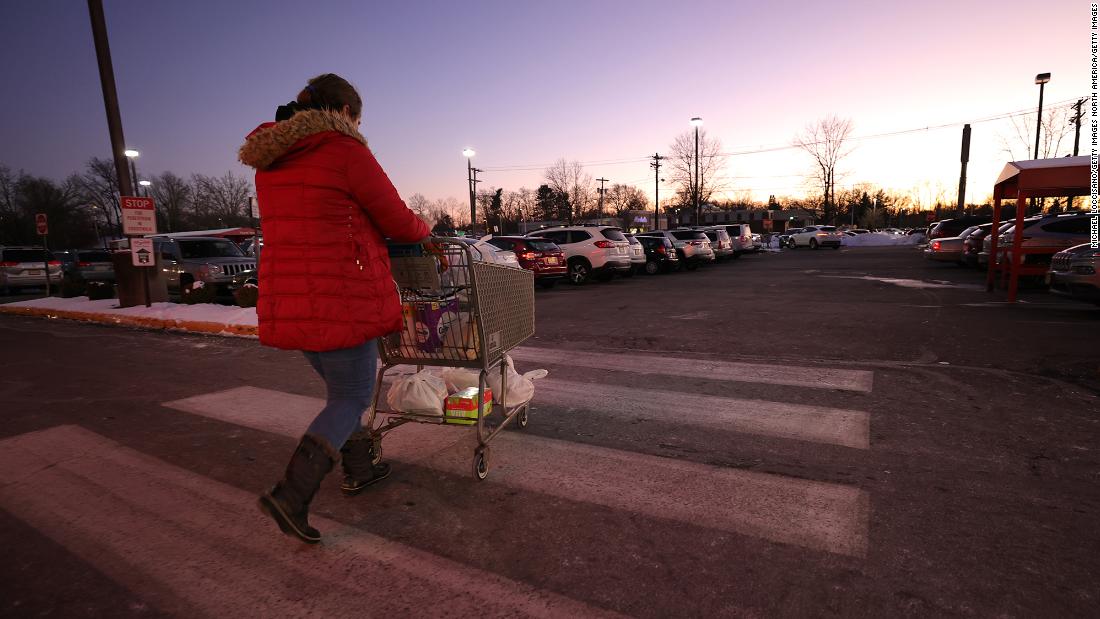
point(270, 141)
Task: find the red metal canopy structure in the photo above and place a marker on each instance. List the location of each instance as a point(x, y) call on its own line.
point(1038, 178)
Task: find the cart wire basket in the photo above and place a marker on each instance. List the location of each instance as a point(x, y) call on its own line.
point(458, 310)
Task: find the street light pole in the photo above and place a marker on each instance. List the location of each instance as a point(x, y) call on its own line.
point(698, 190)
point(602, 181)
point(1041, 80)
point(469, 154)
point(132, 154)
point(656, 165)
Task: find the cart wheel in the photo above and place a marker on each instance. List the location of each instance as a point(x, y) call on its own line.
point(376, 452)
point(481, 463)
point(521, 419)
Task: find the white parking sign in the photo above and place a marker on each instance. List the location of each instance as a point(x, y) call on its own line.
point(141, 252)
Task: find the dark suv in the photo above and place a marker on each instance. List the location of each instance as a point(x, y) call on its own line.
point(540, 256)
point(949, 228)
point(660, 254)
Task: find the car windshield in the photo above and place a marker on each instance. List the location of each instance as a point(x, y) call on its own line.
point(94, 256)
point(209, 249)
point(25, 255)
point(827, 228)
point(614, 234)
point(541, 245)
point(688, 235)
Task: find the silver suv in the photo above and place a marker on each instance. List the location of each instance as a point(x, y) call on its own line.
point(590, 251)
point(26, 267)
point(1075, 272)
point(212, 260)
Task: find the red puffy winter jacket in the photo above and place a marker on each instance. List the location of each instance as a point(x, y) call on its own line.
point(326, 207)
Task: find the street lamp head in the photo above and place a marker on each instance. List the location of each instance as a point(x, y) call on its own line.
point(1042, 78)
point(695, 122)
point(468, 152)
point(131, 153)
point(144, 183)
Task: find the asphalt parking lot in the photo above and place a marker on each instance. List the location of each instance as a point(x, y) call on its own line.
point(853, 433)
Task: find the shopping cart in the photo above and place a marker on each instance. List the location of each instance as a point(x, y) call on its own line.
point(459, 310)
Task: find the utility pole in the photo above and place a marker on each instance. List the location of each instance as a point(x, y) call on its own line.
point(110, 96)
point(602, 181)
point(473, 196)
point(964, 158)
point(1077, 121)
point(656, 165)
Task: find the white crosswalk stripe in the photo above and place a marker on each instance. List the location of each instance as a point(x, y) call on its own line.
point(645, 363)
point(812, 514)
point(194, 547)
point(818, 424)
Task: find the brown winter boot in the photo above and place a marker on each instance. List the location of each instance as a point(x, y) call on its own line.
point(288, 502)
point(359, 472)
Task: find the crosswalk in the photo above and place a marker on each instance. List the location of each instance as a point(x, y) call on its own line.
point(197, 547)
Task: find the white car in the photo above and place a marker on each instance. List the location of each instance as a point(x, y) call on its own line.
point(590, 251)
point(741, 237)
point(816, 236)
point(490, 253)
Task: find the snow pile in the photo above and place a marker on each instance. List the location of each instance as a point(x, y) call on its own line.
point(204, 317)
point(881, 239)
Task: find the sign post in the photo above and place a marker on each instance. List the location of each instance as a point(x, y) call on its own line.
point(43, 228)
point(139, 218)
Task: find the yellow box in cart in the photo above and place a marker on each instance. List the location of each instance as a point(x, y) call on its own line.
point(462, 406)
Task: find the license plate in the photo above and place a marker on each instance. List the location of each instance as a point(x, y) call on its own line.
point(551, 260)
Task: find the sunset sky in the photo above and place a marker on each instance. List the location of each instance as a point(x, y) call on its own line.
point(526, 83)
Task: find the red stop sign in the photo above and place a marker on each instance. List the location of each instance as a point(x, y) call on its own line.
point(40, 224)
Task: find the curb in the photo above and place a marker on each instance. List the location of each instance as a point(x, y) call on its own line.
point(141, 322)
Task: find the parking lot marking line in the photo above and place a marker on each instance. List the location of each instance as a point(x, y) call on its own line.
point(818, 515)
point(195, 547)
point(818, 424)
point(642, 363)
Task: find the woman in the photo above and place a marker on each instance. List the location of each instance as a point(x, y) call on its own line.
point(325, 287)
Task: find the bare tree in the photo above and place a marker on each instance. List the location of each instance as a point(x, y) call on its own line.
point(571, 181)
point(824, 142)
point(681, 167)
point(620, 199)
point(173, 197)
point(220, 201)
point(1020, 144)
point(420, 205)
point(99, 187)
point(8, 209)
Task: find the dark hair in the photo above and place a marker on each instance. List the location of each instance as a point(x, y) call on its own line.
point(331, 92)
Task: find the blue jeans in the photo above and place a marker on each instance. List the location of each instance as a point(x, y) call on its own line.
point(349, 375)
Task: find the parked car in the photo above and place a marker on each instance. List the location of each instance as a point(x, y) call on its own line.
point(952, 227)
point(987, 242)
point(740, 237)
point(785, 237)
point(757, 242)
point(637, 255)
point(209, 259)
point(815, 237)
point(86, 264)
point(720, 242)
point(1047, 235)
point(972, 244)
point(590, 251)
point(859, 231)
point(487, 252)
point(26, 267)
point(948, 249)
point(660, 254)
point(1075, 272)
point(540, 256)
point(693, 246)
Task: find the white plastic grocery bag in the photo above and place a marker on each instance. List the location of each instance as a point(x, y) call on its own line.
point(422, 393)
point(521, 387)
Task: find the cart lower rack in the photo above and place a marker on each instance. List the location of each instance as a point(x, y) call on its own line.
point(460, 309)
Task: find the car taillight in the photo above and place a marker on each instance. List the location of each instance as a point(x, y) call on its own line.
point(604, 244)
point(8, 264)
point(528, 255)
point(662, 250)
point(83, 264)
point(54, 263)
point(822, 234)
point(935, 245)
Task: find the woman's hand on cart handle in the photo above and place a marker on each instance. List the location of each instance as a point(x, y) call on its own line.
point(432, 248)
